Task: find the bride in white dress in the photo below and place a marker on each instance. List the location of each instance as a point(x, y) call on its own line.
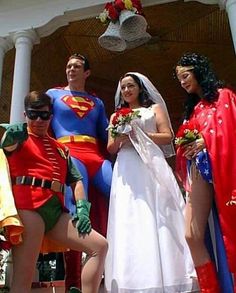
point(147, 249)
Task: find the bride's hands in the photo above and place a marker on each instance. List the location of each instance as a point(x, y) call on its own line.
point(114, 144)
point(122, 139)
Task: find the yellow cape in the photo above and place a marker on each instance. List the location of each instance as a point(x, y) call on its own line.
point(9, 218)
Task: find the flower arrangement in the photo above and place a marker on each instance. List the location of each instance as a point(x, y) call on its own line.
point(109, 14)
point(187, 133)
point(112, 10)
point(121, 121)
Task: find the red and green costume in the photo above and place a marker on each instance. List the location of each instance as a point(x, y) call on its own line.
point(42, 158)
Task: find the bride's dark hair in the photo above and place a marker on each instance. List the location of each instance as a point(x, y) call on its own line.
point(143, 98)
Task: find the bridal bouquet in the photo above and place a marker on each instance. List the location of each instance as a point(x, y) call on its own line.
point(121, 121)
point(187, 133)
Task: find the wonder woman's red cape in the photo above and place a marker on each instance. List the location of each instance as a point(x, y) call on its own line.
point(217, 124)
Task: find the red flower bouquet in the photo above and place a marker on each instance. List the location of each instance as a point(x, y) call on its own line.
point(121, 121)
point(109, 13)
point(112, 10)
point(187, 133)
point(133, 5)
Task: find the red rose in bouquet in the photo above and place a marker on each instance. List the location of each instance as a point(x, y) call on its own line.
point(121, 119)
point(188, 132)
point(119, 5)
point(123, 113)
point(137, 4)
point(112, 10)
point(134, 5)
point(109, 13)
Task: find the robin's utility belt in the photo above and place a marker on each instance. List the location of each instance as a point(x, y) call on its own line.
point(54, 185)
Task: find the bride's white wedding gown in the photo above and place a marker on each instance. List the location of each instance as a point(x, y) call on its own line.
point(147, 249)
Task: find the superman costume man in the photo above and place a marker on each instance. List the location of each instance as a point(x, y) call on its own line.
point(80, 122)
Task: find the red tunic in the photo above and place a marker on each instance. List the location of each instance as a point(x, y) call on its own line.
point(44, 158)
point(217, 123)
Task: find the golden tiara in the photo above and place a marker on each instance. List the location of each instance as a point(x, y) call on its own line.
point(180, 69)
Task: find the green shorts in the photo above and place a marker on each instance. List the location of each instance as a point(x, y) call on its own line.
point(50, 212)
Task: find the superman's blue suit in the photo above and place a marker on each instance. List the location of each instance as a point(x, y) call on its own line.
point(79, 121)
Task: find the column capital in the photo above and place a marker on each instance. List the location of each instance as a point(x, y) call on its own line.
point(6, 44)
point(225, 4)
point(26, 35)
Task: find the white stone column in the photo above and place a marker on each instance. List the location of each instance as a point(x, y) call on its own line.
point(23, 41)
point(230, 6)
point(5, 45)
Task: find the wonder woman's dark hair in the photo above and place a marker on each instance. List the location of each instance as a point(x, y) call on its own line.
point(206, 78)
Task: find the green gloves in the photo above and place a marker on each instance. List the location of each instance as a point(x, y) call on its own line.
point(83, 223)
point(15, 133)
point(74, 290)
